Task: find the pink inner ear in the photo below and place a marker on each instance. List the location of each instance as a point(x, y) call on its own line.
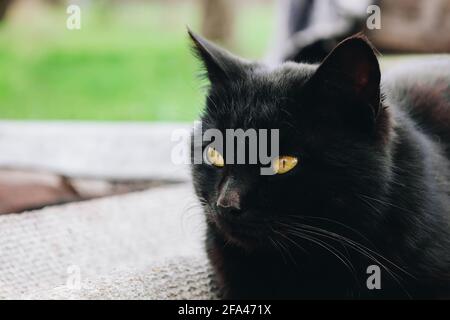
point(362, 77)
point(362, 82)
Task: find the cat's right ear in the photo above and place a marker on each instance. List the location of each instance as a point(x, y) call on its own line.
point(352, 69)
point(220, 65)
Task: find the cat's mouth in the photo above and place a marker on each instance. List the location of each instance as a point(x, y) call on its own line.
point(240, 232)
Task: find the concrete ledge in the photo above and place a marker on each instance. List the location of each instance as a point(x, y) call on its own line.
point(115, 151)
point(40, 250)
point(180, 278)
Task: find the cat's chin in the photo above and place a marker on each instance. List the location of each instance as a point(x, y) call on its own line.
point(248, 237)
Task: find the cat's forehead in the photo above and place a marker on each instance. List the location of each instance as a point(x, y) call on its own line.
point(287, 71)
point(261, 100)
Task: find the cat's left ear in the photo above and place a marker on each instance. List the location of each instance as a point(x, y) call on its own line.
point(220, 64)
point(353, 69)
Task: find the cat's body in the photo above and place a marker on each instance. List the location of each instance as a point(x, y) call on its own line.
point(372, 186)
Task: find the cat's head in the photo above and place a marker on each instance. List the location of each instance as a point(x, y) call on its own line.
point(334, 135)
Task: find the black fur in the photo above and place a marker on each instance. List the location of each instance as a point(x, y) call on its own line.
point(372, 186)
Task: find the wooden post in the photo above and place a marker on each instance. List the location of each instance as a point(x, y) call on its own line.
point(4, 5)
point(218, 20)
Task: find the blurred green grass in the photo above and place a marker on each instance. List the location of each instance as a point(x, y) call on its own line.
point(126, 63)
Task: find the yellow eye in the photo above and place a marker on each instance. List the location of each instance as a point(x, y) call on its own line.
point(215, 158)
point(284, 164)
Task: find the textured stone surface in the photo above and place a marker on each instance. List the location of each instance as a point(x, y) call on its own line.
point(124, 235)
point(174, 279)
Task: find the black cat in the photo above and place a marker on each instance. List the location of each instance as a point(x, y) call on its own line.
point(366, 180)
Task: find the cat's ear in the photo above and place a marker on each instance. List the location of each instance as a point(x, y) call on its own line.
point(353, 69)
point(220, 65)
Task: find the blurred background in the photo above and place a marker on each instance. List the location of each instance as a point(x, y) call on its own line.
point(129, 61)
point(70, 99)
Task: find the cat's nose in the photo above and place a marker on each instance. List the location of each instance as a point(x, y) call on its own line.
point(229, 200)
point(230, 197)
